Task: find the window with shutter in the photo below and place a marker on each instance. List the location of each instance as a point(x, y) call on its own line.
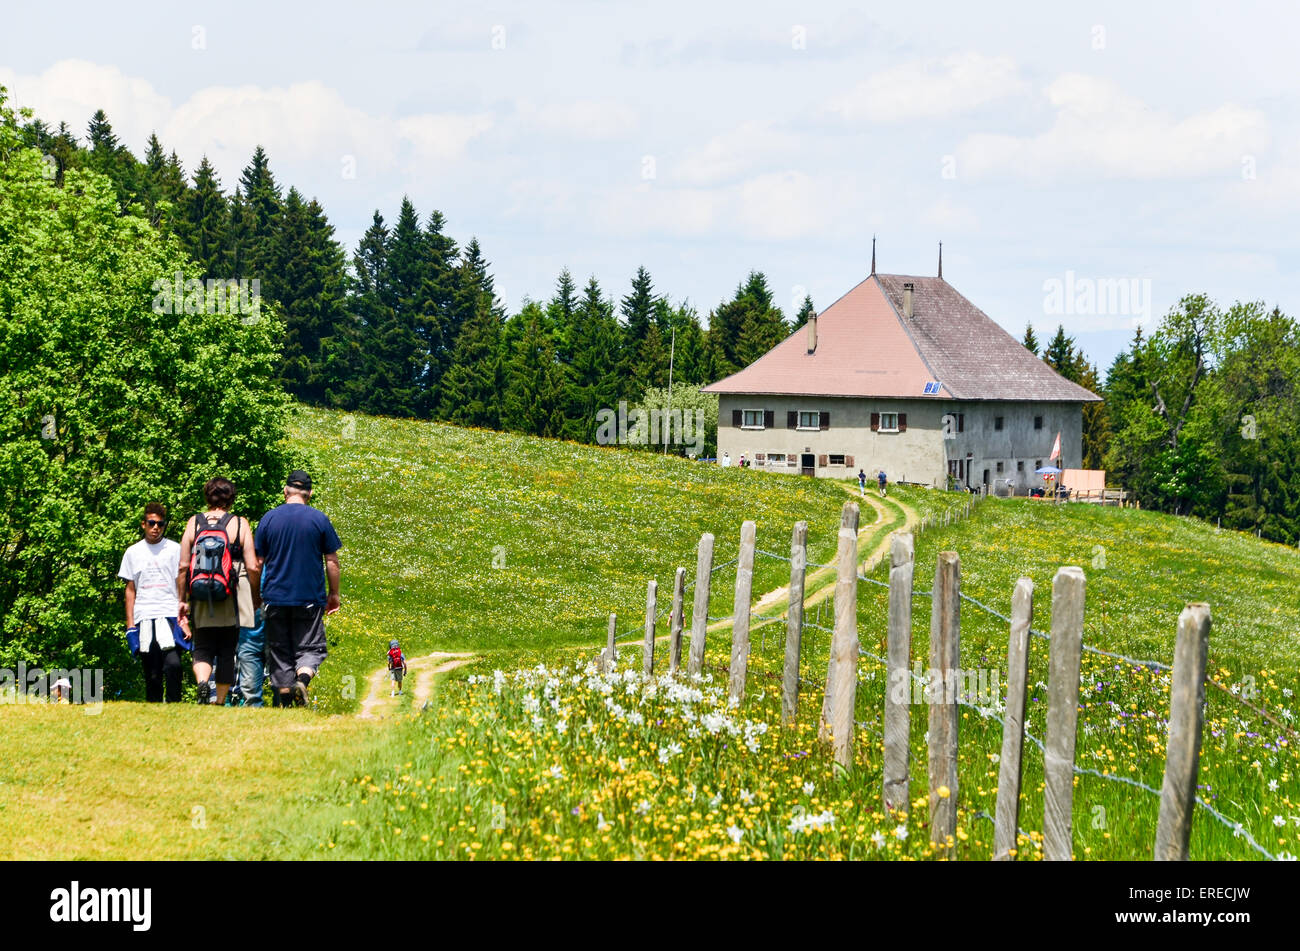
point(758, 458)
point(737, 416)
point(769, 418)
point(961, 422)
point(848, 461)
point(902, 422)
point(875, 422)
point(826, 421)
point(821, 461)
point(792, 419)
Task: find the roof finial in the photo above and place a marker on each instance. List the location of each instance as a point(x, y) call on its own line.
point(873, 254)
point(941, 260)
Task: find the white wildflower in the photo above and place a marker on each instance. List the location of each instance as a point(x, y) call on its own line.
point(736, 833)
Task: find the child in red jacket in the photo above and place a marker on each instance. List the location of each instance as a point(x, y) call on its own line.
point(396, 667)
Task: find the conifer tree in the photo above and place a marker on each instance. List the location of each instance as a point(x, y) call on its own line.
point(371, 380)
point(744, 328)
point(313, 306)
point(594, 381)
point(258, 221)
point(638, 310)
point(437, 295)
point(1061, 355)
point(1030, 342)
point(534, 393)
point(204, 222)
point(470, 390)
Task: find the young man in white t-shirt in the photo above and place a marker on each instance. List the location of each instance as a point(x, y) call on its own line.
point(149, 568)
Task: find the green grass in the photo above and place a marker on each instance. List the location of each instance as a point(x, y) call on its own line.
point(476, 779)
point(462, 539)
point(425, 510)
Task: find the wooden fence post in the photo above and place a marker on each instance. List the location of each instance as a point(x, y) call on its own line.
point(700, 613)
point(1186, 721)
point(842, 671)
point(611, 652)
point(898, 693)
point(945, 664)
point(1007, 821)
point(648, 652)
point(675, 623)
point(740, 617)
point(794, 624)
point(1062, 713)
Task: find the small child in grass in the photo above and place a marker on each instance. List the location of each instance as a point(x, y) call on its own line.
point(396, 667)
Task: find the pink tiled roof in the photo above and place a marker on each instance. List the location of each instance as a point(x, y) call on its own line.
point(866, 347)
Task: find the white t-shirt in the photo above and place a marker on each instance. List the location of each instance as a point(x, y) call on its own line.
point(153, 568)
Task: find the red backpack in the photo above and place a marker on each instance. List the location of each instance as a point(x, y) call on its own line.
point(212, 567)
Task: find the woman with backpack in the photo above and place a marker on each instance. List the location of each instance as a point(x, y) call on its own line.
point(218, 585)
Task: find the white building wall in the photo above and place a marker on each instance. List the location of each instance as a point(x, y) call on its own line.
point(937, 431)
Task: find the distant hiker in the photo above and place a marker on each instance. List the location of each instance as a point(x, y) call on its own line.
point(396, 667)
point(882, 480)
point(726, 458)
point(742, 460)
point(153, 632)
point(291, 540)
point(862, 482)
point(62, 691)
point(219, 578)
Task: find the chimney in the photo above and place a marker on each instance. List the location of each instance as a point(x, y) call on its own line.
point(907, 299)
point(812, 333)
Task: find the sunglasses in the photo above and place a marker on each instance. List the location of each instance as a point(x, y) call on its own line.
point(152, 522)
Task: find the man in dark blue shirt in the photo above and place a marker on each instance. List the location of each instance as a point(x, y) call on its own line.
point(291, 540)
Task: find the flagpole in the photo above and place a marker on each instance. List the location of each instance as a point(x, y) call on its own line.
point(672, 352)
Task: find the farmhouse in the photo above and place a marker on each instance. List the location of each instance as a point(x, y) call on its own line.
point(903, 374)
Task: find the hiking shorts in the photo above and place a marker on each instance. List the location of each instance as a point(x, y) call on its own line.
point(295, 638)
point(216, 646)
point(396, 674)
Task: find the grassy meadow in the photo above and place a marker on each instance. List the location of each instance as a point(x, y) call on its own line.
point(547, 759)
point(518, 548)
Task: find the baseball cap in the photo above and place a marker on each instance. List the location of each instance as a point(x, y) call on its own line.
point(299, 480)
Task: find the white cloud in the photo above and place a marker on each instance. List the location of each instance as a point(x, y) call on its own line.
point(583, 118)
point(735, 152)
point(1101, 130)
point(948, 217)
point(929, 89)
point(776, 206)
point(303, 123)
point(71, 90)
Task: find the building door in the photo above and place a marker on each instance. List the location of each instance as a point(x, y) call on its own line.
point(808, 464)
point(986, 481)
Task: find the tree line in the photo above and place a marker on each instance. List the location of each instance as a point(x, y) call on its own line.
point(1202, 416)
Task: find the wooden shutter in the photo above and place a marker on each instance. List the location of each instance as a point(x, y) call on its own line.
point(821, 461)
point(824, 422)
point(769, 418)
point(902, 422)
point(848, 461)
point(737, 418)
point(792, 419)
point(875, 422)
point(961, 422)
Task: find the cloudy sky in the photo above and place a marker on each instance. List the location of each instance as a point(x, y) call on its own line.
point(1140, 151)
